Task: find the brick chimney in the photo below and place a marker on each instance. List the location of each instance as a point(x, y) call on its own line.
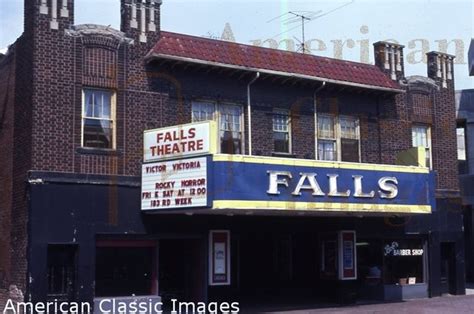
point(140, 20)
point(389, 58)
point(440, 68)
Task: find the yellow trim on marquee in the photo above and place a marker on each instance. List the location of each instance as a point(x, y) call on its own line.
point(322, 207)
point(213, 137)
point(318, 163)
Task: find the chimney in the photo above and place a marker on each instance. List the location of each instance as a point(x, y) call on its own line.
point(140, 20)
point(389, 58)
point(440, 68)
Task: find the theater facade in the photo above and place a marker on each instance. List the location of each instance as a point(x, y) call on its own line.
point(148, 164)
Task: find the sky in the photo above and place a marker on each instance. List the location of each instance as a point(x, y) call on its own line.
point(337, 28)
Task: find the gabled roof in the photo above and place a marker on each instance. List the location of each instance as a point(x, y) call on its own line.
point(201, 50)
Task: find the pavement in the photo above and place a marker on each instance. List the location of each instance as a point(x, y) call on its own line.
point(469, 288)
point(439, 305)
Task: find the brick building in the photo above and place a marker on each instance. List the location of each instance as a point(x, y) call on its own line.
point(76, 99)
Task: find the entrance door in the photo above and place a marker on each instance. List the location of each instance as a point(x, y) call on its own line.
point(277, 267)
point(447, 268)
point(182, 273)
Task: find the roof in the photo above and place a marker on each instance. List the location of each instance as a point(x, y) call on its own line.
point(271, 61)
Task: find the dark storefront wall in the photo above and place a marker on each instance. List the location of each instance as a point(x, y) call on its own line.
point(79, 215)
point(469, 241)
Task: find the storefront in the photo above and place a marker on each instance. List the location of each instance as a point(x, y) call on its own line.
point(399, 271)
point(287, 227)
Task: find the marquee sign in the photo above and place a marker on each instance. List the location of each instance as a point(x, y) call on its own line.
point(175, 184)
point(245, 182)
point(180, 141)
point(182, 170)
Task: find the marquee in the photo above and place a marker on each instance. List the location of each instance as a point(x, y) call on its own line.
point(181, 171)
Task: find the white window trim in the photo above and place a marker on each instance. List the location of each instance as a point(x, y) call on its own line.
point(337, 134)
point(285, 112)
point(113, 109)
point(217, 117)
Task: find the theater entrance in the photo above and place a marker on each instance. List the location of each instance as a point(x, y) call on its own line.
point(275, 268)
point(182, 270)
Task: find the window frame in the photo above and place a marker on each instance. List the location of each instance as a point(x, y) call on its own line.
point(113, 119)
point(217, 117)
point(326, 139)
point(287, 113)
point(337, 135)
point(428, 140)
point(357, 135)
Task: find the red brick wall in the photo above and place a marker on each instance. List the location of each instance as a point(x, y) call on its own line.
point(444, 139)
point(142, 104)
point(15, 161)
point(421, 107)
point(53, 95)
point(46, 119)
point(7, 97)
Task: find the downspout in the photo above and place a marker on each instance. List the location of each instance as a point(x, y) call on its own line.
point(249, 111)
point(316, 91)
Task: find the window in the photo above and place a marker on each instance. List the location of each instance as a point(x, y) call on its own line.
point(203, 111)
point(61, 272)
point(338, 138)
point(461, 141)
point(404, 262)
point(326, 138)
point(349, 139)
point(229, 118)
point(281, 131)
point(230, 128)
point(327, 150)
point(98, 130)
point(421, 137)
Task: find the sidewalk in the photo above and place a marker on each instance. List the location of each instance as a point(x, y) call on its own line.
point(441, 305)
point(469, 288)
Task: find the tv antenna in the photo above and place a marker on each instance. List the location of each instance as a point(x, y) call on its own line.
point(304, 17)
point(297, 17)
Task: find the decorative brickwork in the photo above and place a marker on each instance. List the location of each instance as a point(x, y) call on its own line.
point(42, 79)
